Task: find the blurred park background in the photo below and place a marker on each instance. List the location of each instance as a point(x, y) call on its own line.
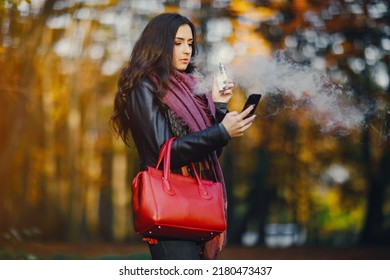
point(312, 172)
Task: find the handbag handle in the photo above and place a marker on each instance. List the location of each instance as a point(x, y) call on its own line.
point(165, 153)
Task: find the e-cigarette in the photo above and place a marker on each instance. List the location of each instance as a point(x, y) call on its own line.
point(222, 77)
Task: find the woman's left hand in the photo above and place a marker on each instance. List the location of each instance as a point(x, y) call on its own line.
point(224, 95)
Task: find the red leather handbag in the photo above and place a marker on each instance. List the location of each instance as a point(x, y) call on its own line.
point(177, 206)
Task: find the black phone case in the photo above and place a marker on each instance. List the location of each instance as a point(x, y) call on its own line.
point(254, 99)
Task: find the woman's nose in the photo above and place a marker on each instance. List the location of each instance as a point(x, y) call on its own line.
point(187, 48)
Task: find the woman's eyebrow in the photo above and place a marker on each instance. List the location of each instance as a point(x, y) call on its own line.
point(179, 38)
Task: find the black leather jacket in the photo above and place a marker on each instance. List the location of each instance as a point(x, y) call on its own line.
point(150, 129)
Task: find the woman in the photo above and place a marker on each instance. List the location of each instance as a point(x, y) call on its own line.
point(155, 101)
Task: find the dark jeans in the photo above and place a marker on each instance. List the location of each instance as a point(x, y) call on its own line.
point(168, 249)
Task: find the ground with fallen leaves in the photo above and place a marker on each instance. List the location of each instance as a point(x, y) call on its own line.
point(48, 250)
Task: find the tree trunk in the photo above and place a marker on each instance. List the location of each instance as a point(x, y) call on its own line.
point(374, 210)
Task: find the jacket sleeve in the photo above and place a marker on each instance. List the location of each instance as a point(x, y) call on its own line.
point(150, 130)
point(221, 110)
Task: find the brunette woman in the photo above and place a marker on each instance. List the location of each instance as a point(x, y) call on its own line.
point(156, 100)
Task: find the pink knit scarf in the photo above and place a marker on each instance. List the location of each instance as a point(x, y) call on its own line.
point(182, 102)
point(192, 111)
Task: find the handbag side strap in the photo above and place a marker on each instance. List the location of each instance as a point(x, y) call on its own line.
point(167, 157)
point(166, 154)
point(202, 190)
point(163, 152)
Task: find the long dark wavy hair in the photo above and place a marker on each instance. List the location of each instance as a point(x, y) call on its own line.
point(151, 57)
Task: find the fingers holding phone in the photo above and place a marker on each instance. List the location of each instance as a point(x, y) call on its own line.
point(253, 99)
point(248, 112)
point(236, 123)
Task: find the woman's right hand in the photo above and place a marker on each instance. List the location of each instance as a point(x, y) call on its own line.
point(236, 123)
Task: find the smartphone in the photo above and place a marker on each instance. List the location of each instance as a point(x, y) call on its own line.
point(253, 99)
